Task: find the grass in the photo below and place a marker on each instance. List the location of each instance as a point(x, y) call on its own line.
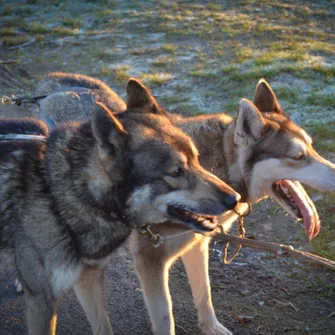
point(288, 93)
point(322, 100)
point(143, 51)
point(170, 48)
point(8, 10)
point(164, 61)
point(189, 109)
point(324, 245)
point(36, 28)
point(173, 99)
point(71, 22)
point(62, 31)
point(10, 41)
point(121, 74)
point(322, 131)
point(8, 31)
point(323, 135)
point(156, 79)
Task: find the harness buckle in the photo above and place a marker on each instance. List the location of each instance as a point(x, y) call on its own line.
point(155, 239)
point(6, 100)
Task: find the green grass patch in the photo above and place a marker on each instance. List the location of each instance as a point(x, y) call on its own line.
point(71, 22)
point(8, 10)
point(230, 106)
point(323, 135)
point(106, 12)
point(121, 74)
point(36, 28)
point(173, 99)
point(170, 48)
point(156, 79)
point(189, 109)
point(322, 100)
point(241, 54)
point(164, 61)
point(38, 59)
point(322, 131)
point(8, 31)
point(328, 71)
point(290, 94)
point(104, 54)
point(320, 46)
point(324, 244)
point(142, 51)
point(324, 287)
point(202, 73)
point(10, 41)
point(63, 31)
point(105, 71)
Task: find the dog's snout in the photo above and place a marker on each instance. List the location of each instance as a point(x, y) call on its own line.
point(227, 195)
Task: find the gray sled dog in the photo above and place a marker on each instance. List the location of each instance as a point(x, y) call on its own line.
point(260, 153)
point(67, 202)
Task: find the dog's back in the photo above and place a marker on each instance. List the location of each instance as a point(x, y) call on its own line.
point(98, 89)
point(26, 126)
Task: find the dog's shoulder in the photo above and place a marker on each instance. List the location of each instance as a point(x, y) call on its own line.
point(13, 150)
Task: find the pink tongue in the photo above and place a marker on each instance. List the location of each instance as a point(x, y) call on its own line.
point(306, 207)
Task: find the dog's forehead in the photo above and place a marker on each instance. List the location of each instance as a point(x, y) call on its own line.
point(166, 147)
point(155, 157)
point(160, 134)
point(286, 126)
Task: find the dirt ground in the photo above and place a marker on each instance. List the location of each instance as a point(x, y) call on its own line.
point(283, 296)
point(190, 71)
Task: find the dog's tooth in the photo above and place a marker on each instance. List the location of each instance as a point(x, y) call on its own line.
point(207, 223)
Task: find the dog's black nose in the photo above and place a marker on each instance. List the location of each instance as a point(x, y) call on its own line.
point(230, 201)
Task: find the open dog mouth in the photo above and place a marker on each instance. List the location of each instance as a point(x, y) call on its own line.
point(293, 198)
point(194, 221)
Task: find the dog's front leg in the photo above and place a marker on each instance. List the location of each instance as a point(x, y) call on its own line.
point(153, 272)
point(41, 314)
point(91, 294)
point(196, 264)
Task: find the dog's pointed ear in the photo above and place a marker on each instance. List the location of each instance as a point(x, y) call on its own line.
point(107, 130)
point(140, 99)
point(265, 99)
point(250, 124)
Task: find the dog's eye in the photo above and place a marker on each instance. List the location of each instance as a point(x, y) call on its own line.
point(176, 173)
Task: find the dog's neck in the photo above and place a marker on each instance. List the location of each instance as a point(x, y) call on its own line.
point(84, 170)
point(214, 138)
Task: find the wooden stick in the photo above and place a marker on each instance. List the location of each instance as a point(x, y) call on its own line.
point(281, 250)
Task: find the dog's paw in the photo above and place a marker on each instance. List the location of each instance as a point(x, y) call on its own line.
point(18, 286)
point(214, 328)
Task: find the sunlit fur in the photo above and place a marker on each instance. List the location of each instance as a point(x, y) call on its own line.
point(68, 201)
point(235, 156)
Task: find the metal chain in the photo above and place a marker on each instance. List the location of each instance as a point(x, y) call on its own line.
point(241, 233)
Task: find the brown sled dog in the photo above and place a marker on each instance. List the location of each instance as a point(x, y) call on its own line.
point(260, 153)
point(66, 202)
